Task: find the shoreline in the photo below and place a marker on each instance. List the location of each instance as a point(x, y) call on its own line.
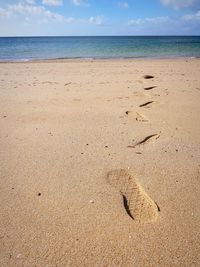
point(109, 59)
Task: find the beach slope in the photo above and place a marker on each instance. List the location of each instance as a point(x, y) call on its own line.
point(100, 163)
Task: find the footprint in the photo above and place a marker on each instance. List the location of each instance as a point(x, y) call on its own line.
point(138, 116)
point(146, 139)
point(140, 94)
point(149, 88)
point(139, 81)
point(146, 104)
point(66, 84)
point(138, 205)
point(148, 77)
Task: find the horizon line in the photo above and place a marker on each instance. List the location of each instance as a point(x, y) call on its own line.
point(146, 35)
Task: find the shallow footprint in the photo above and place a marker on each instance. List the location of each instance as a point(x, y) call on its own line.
point(138, 116)
point(138, 205)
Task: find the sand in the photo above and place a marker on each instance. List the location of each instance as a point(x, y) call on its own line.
point(100, 166)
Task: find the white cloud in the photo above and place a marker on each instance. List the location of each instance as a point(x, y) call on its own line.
point(24, 9)
point(52, 2)
point(177, 4)
point(166, 25)
point(99, 20)
point(50, 15)
point(80, 3)
point(4, 13)
point(123, 5)
point(192, 17)
point(144, 21)
point(40, 14)
point(29, 18)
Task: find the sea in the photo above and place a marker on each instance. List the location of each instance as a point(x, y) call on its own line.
point(98, 47)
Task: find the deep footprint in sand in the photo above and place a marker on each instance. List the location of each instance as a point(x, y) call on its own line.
point(145, 140)
point(138, 205)
point(146, 104)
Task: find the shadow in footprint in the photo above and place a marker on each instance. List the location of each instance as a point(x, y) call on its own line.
point(148, 77)
point(138, 205)
point(149, 88)
point(146, 104)
point(126, 206)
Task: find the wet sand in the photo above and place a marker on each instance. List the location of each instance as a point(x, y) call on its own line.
point(100, 166)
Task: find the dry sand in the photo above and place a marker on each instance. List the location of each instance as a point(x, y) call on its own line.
point(96, 170)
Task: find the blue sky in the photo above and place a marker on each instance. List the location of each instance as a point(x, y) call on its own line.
point(99, 17)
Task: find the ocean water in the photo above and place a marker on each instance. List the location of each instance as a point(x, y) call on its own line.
point(35, 48)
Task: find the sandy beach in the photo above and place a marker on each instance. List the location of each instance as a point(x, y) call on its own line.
point(100, 166)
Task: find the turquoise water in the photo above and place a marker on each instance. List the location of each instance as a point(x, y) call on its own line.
point(33, 48)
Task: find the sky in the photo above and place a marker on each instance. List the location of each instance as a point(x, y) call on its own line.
point(99, 17)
